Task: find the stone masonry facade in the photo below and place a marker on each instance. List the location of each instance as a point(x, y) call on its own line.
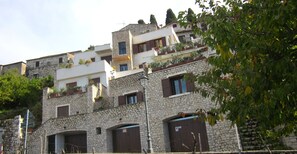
point(44, 66)
point(13, 137)
point(221, 137)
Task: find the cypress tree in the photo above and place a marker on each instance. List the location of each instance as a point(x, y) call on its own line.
point(153, 20)
point(170, 17)
point(190, 15)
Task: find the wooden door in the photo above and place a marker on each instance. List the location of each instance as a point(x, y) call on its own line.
point(181, 132)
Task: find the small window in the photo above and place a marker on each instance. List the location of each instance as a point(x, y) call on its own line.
point(131, 98)
point(174, 25)
point(93, 59)
point(142, 47)
point(182, 38)
point(123, 67)
point(122, 48)
point(37, 64)
point(60, 60)
point(98, 130)
point(176, 85)
point(63, 111)
point(193, 36)
point(36, 75)
point(94, 81)
point(158, 43)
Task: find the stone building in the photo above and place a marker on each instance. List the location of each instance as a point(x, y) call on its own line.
point(19, 66)
point(45, 66)
point(89, 127)
point(133, 45)
point(109, 114)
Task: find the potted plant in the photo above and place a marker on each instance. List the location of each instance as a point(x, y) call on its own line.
point(55, 93)
point(87, 62)
point(63, 92)
point(81, 61)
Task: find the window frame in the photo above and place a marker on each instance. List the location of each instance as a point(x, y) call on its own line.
point(61, 60)
point(178, 85)
point(37, 64)
point(168, 89)
point(122, 48)
point(123, 99)
point(122, 65)
point(134, 98)
point(59, 106)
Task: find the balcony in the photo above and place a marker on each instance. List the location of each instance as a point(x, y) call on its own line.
point(83, 70)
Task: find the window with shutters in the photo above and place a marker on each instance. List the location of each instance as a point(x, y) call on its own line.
point(176, 85)
point(63, 111)
point(131, 98)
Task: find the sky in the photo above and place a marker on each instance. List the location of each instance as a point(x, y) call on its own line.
point(35, 28)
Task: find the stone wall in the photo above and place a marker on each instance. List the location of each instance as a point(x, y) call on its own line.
point(221, 137)
point(47, 65)
point(137, 29)
point(290, 141)
point(12, 137)
point(19, 66)
point(78, 103)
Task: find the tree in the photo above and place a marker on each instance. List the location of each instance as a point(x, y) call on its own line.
point(153, 20)
point(253, 76)
point(18, 93)
point(170, 17)
point(190, 15)
point(140, 21)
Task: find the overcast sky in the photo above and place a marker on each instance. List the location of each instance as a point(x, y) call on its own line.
point(35, 28)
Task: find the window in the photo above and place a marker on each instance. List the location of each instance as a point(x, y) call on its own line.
point(93, 59)
point(174, 25)
point(37, 64)
point(36, 75)
point(182, 38)
point(158, 43)
point(63, 111)
point(60, 60)
point(142, 47)
point(123, 67)
point(94, 81)
point(176, 85)
point(193, 36)
point(122, 48)
point(131, 98)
